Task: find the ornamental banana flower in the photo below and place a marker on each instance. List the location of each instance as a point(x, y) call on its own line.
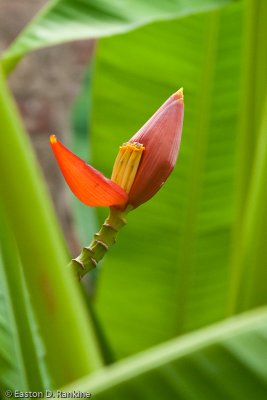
point(142, 166)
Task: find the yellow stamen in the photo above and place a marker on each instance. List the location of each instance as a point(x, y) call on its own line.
point(126, 164)
point(53, 139)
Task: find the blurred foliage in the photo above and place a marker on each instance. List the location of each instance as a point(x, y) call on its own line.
point(224, 361)
point(54, 295)
point(193, 255)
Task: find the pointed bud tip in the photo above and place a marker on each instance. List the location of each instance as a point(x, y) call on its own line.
point(53, 139)
point(179, 95)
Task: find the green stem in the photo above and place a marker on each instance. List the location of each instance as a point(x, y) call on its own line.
point(106, 237)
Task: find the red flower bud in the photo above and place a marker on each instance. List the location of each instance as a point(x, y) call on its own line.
point(161, 137)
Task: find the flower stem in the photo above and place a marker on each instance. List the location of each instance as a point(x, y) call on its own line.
point(92, 254)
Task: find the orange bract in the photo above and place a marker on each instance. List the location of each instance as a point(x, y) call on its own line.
point(89, 185)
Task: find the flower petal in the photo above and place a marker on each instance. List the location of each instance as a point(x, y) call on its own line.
point(161, 136)
point(89, 185)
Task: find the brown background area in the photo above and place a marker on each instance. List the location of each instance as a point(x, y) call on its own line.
point(45, 85)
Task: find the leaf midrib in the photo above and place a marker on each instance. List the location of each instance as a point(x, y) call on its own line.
point(196, 172)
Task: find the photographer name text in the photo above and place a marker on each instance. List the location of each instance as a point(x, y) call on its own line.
point(48, 394)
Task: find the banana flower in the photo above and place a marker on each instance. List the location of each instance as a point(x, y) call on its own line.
point(142, 166)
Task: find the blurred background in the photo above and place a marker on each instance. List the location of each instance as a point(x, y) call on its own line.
point(185, 245)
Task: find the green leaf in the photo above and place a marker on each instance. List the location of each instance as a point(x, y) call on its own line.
point(67, 20)
point(65, 328)
point(224, 361)
point(19, 357)
point(169, 272)
point(248, 261)
point(251, 288)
